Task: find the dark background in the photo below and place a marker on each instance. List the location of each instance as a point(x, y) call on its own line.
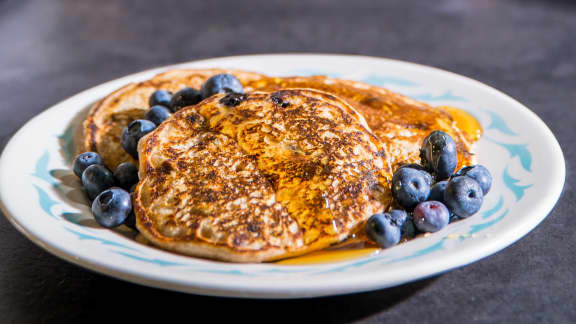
point(50, 50)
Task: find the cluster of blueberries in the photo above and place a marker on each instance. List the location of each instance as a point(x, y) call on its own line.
point(429, 206)
point(109, 192)
point(163, 104)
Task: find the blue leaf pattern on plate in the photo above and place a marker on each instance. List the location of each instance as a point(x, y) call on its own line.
point(46, 202)
point(480, 227)
point(521, 151)
point(150, 260)
point(42, 169)
point(84, 236)
point(446, 96)
point(494, 209)
point(499, 124)
point(381, 80)
point(511, 183)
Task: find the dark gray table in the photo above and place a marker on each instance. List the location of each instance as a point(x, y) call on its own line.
point(50, 50)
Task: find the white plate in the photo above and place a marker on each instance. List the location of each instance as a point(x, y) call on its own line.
point(42, 198)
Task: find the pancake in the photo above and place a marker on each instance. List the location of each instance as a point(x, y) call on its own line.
point(401, 123)
point(106, 120)
point(259, 177)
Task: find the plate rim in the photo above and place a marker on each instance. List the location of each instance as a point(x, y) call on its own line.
point(248, 289)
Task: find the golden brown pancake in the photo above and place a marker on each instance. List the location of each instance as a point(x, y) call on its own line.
point(259, 177)
point(106, 120)
point(399, 122)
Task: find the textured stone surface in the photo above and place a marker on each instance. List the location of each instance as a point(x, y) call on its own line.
point(50, 50)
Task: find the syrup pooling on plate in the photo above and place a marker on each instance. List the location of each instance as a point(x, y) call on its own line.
point(356, 247)
point(466, 122)
point(329, 256)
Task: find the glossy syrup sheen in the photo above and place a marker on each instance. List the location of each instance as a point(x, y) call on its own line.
point(351, 249)
point(361, 247)
point(466, 122)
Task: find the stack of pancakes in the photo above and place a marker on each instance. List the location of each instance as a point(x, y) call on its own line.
point(295, 165)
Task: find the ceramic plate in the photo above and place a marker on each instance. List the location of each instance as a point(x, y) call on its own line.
point(43, 199)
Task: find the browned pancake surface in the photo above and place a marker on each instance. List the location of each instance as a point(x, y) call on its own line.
point(102, 129)
point(400, 123)
point(270, 176)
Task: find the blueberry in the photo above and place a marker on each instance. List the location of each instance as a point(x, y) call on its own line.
point(381, 229)
point(130, 220)
point(408, 229)
point(126, 174)
point(437, 191)
point(463, 196)
point(480, 174)
point(398, 217)
point(410, 187)
point(431, 216)
point(160, 97)
point(95, 179)
point(401, 219)
point(84, 160)
point(157, 114)
point(454, 218)
point(438, 154)
point(184, 98)
point(112, 207)
point(420, 168)
point(221, 83)
point(133, 133)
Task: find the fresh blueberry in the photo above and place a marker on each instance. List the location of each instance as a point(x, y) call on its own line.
point(408, 229)
point(478, 173)
point(160, 97)
point(157, 114)
point(438, 154)
point(454, 218)
point(398, 217)
point(381, 229)
point(463, 196)
point(184, 98)
point(133, 133)
point(421, 169)
point(410, 187)
point(126, 174)
point(95, 179)
point(431, 216)
point(221, 83)
point(84, 160)
point(130, 220)
point(112, 207)
point(401, 219)
point(437, 191)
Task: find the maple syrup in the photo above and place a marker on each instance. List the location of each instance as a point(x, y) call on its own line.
point(329, 256)
point(358, 246)
point(466, 122)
